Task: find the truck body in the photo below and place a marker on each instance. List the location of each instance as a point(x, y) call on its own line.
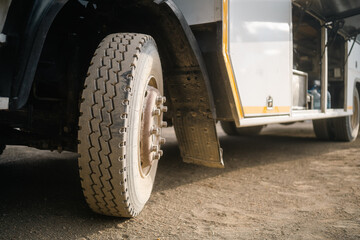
point(244, 63)
point(262, 43)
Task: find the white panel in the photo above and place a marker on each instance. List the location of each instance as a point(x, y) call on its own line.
point(298, 115)
point(200, 11)
point(261, 51)
point(4, 103)
point(353, 70)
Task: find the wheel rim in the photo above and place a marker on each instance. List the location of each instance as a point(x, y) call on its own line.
point(151, 126)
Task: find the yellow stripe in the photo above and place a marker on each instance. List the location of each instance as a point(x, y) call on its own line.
point(227, 60)
point(350, 107)
point(262, 110)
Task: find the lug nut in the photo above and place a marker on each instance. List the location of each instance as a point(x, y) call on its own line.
point(160, 100)
point(164, 124)
point(156, 156)
point(154, 148)
point(164, 109)
point(162, 141)
point(156, 112)
point(155, 131)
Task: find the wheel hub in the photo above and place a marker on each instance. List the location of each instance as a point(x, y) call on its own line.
point(151, 125)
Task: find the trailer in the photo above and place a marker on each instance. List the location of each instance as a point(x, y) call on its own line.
point(104, 77)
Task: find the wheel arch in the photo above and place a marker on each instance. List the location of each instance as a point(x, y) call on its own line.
point(76, 31)
point(32, 37)
point(177, 45)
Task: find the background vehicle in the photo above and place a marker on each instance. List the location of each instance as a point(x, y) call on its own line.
point(94, 76)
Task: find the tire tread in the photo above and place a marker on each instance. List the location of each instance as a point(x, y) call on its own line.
point(103, 122)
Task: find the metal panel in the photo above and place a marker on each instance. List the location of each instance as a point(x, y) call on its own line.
point(4, 103)
point(353, 72)
point(192, 103)
point(200, 11)
point(299, 89)
point(261, 54)
point(298, 115)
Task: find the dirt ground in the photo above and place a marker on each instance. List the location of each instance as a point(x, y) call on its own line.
point(283, 184)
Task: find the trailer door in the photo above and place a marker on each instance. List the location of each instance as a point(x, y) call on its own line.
point(260, 49)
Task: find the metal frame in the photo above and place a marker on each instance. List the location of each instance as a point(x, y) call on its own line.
point(346, 80)
point(297, 115)
point(324, 68)
point(300, 73)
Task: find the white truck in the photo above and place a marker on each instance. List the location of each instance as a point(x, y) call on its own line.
point(103, 77)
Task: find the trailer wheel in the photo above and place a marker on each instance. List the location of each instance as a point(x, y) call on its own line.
point(347, 128)
point(231, 129)
point(120, 124)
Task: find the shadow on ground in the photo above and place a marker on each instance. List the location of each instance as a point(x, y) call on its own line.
point(41, 198)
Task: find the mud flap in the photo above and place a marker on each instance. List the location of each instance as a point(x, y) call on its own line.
point(198, 140)
point(194, 121)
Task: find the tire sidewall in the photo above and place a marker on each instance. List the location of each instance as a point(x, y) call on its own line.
point(353, 133)
point(148, 66)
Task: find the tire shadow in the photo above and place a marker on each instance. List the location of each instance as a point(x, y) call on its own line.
point(41, 196)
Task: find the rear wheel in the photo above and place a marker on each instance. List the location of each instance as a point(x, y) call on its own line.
point(120, 125)
point(231, 129)
point(323, 129)
point(340, 129)
point(347, 128)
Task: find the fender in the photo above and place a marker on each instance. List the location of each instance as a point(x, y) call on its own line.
point(43, 13)
point(185, 75)
point(191, 97)
point(196, 50)
point(31, 40)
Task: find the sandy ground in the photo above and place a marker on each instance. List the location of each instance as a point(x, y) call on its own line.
point(283, 184)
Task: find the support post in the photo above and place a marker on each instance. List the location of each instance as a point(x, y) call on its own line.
point(324, 69)
point(346, 76)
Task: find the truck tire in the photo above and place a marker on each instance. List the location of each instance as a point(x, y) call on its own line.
point(120, 124)
point(323, 129)
point(340, 129)
point(347, 128)
point(231, 129)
